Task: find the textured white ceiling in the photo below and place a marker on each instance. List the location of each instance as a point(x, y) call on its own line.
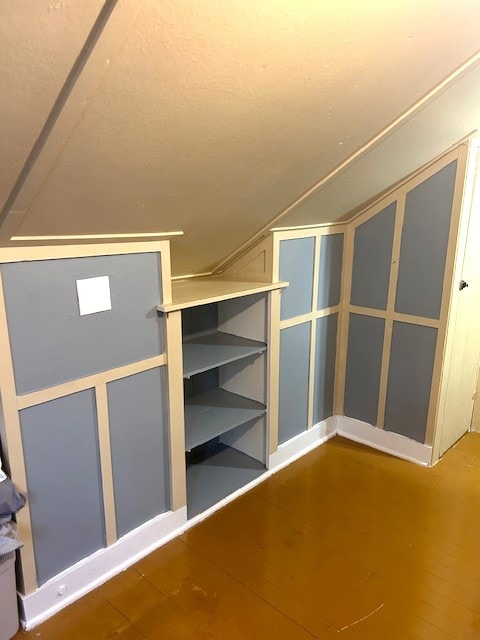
point(450, 116)
point(39, 42)
point(214, 117)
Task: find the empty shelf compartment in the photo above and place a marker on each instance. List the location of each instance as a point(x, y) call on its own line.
point(214, 349)
point(215, 412)
point(216, 474)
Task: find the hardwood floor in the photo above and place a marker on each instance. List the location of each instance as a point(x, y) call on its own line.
point(346, 542)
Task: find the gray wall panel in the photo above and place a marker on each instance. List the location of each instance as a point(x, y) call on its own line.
point(138, 435)
point(294, 369)
point(199, 319)
point(52, 343)
point(372, 259)
point(60, 445)
point(201, 383)
point(409, 379)
point(296, 267)
point(364, 362)
point(424, 244)
point(325, 353)
point(330, 271)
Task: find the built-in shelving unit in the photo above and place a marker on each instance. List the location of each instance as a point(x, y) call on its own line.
point(224, 345)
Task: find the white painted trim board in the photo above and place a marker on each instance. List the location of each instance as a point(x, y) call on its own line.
point(386, 441)
point(91, 572)
point(302, 443)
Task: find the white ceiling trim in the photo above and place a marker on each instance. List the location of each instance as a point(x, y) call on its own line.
point(99, 236)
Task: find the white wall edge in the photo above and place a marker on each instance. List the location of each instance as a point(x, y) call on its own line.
point(302, 444)
point(386, 441)
point(91, 572)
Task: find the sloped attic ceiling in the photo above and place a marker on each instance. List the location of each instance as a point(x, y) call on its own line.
point(214, 117)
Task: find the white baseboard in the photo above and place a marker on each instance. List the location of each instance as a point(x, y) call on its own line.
point(386, 441)
point(76, 581)
point(301, 444)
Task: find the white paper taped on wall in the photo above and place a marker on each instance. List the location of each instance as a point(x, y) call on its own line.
point(94, 295)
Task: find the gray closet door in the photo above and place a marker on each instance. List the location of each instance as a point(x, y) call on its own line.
point(372, 259)
point(364, 364)
point(60, 445)
point(330, 271)
point(410, 379)
point(428, 210)
point(296, 267)
point(52, 343)
point(325, 354)
point(138, 436)
point(294, 372)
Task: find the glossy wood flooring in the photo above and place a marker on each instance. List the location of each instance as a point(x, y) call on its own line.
point(345, 543)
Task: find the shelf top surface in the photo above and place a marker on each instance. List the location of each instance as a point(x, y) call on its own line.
point(215, 412)
point(198, 291)
point(215, 349)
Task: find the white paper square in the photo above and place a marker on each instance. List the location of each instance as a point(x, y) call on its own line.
point(94, 295)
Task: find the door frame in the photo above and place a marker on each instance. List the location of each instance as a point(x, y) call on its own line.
point(466, 250)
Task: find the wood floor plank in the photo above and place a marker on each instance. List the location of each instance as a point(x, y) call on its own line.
point(294, 608)
point(346, 542)
point(406, 568)
point(461, 615)
point(367, 527)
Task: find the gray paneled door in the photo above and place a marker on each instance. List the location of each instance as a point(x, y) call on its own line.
point(428, 211)
point(330, 271)
point(60, 444)
point(372, 259)
point(138, 435)
point(364, 364)
point(296, 267)
point(325, 354)
point(410, 373)
point(294, 372)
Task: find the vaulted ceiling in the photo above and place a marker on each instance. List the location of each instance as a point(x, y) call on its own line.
point(222, 118)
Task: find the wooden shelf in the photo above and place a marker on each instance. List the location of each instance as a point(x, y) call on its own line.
point(210, 414)
point(220, 473)
point(214, 349)
point(198, 291)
